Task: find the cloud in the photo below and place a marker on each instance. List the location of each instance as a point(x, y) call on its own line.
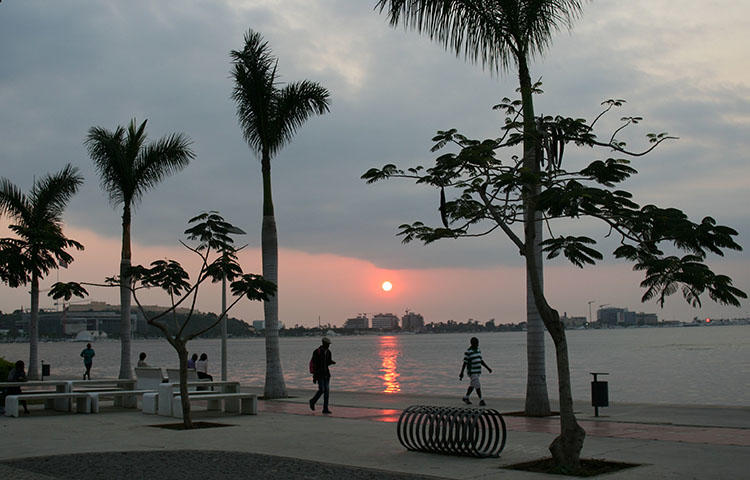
point(68, 67)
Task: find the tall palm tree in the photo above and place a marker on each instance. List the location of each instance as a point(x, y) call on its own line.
point(269, 115)
point(128, 168)
point(40, 245)
point(501, 34)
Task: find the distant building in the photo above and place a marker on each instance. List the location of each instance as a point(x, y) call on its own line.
point(623, 317)
point(412, 321)
point(646, 319)
point(572, 322)
point(71, 323)
point(385, 321)
point(358, 322)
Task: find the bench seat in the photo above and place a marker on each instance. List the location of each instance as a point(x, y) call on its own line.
point(83, 401)
point(130, 399)
point(242, 403)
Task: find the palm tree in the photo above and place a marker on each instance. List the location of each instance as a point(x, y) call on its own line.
point(269, 116)
point(40, 244)
point(128, 168)
point(501, 34)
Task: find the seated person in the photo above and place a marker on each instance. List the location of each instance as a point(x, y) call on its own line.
point(17, 374)
point(191, 362)
point(201, 367)
point(142, 360)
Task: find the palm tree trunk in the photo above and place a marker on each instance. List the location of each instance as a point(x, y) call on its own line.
point(537, 399)
point(33, 369)
point(566, 448)
point(126, 370)
point(275, 386)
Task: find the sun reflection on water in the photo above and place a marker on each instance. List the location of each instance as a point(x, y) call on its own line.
point(388, 349)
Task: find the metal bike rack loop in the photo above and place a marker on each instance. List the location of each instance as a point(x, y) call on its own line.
point(477, 432)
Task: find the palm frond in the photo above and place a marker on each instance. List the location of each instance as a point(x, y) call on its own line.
point(493, 32)
point(159, 160)
point(297, 102)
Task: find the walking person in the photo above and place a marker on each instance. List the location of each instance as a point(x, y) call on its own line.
point(321, 360)
point(88, 360)
point(473, 364)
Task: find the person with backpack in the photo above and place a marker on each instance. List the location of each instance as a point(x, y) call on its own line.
point(319, 363)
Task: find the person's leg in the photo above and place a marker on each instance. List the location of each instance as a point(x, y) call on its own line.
point(25, 408)
point(466, 397)
point(326, 393)
point(317, 395)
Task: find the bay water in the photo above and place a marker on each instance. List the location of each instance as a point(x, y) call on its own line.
point(688, 366)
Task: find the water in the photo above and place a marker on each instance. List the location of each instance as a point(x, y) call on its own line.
point(706, 365)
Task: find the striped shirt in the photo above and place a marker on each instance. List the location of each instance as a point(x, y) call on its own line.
point(473, 361)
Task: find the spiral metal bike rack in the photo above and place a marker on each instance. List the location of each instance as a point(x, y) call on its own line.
point(476, 432)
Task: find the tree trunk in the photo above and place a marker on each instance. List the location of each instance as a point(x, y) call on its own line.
point(182, 353)
point(32, 371)
point(125, 331)
point(274, 387)
point(537, 399)
point(566, 448)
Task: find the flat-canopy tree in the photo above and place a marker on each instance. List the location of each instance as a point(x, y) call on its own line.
point(218, 260)
point(39, 245)
point(491, 194)
point(502, 35)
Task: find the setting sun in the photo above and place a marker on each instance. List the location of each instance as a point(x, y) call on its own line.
point(387, 286)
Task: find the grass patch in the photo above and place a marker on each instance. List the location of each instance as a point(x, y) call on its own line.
point(196, 425)
point(589, 467)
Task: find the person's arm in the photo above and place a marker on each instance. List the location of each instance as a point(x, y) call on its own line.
point(485, 366)
point(463, 367)
point(330, 358)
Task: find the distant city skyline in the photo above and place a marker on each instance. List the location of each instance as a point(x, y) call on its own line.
point(68, 66)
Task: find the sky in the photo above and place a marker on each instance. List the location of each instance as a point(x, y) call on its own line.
point(68, 66)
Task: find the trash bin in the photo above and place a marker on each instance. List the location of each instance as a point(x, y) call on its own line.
point(599, 393)
point(45, 370)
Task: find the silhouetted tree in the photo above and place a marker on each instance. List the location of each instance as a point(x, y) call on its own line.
point(494, 193)
point(128, 168)
point(269, 116)
point(39, 245)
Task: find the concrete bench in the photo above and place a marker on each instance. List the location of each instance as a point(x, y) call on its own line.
point(129, 398)
point(173, 374)
point(148, 378)
point(83, 401)
point(161, 403)
point(242, 403)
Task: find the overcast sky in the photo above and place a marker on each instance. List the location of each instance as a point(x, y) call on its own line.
point(69, 65)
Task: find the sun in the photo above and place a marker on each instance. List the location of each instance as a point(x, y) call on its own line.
point(387, 286)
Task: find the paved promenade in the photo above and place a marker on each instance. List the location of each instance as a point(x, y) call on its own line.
point(288, 441)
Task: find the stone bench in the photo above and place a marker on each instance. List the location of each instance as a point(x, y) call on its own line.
point(161, 402)
point(242, 403)
point(82, 400)
point(129, 397)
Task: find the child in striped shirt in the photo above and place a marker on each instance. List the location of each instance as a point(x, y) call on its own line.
point(473, 365)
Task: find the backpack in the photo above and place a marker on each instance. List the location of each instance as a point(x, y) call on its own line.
point(312, 362)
